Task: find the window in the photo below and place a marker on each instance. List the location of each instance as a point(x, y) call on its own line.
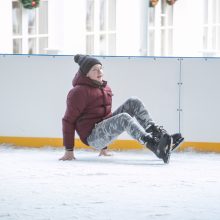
point(101, 27)
point(160, 32)
point(211, 28)
point(17, 26)
point(30, 28)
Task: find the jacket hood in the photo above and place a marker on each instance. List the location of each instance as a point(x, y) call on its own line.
point(80, 79)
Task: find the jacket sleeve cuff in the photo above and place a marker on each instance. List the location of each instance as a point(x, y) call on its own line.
point(69, 148)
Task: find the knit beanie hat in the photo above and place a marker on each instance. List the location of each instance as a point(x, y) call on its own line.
point(85, 62)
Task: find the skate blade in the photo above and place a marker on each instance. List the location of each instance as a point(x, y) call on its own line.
point(166, 159)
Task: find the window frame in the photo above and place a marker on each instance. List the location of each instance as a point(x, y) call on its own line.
point(211, 28)
point(160, 16)
point(25, 37)
point(96, 34)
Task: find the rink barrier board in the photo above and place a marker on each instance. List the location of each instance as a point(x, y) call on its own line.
point(37, 142)
point(181, 101)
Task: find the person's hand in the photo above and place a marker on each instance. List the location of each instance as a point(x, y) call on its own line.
point(104, 152)
point(69, 155)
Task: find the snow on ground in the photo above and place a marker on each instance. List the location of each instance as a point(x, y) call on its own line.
point(135, 185)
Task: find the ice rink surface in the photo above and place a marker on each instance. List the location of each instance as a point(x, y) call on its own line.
point(135, 185)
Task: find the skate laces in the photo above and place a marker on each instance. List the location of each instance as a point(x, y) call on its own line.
point(154, 129)
point(150, 139)
point(160, 129)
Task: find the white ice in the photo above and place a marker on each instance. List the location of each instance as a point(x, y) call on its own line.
point(135, 185)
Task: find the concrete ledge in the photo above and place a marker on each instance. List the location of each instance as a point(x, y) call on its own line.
point(116, 145)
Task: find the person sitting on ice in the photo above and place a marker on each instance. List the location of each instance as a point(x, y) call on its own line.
point(89, 113)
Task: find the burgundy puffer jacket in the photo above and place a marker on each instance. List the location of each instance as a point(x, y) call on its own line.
point(87, 104)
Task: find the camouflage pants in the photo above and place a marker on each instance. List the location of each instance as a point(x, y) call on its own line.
point(123, 119)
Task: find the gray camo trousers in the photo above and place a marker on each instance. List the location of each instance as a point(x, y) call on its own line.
point(123, 119)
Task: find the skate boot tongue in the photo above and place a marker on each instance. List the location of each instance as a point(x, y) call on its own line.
point(156, 130)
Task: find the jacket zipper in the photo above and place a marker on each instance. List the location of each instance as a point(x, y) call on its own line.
point(104, 101)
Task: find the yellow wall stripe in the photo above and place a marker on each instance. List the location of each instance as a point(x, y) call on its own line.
point(116, 145)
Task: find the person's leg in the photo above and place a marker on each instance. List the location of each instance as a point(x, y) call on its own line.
point(122, 120)
point(135, 108)
point(108, 130)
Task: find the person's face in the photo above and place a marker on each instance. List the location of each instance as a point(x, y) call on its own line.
point(96, 73)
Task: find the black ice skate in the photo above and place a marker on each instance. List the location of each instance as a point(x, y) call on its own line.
point(158, 131)
point(160, 147)
point(150, 142)
point(164, 147)
point(168, 144)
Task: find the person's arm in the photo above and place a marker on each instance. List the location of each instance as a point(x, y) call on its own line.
point(75, 106)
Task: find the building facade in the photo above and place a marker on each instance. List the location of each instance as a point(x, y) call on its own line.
point(112, 27)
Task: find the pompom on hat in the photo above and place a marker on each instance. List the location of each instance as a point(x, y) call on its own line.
point(85, 62)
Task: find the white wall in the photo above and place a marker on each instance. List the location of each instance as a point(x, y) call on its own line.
point(128, 27)
point(33, 93)
point(67, 26)
point(74, 26)
point(188, 24)
point(56, 25)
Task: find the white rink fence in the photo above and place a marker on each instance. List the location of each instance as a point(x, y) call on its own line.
point(181, 94)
